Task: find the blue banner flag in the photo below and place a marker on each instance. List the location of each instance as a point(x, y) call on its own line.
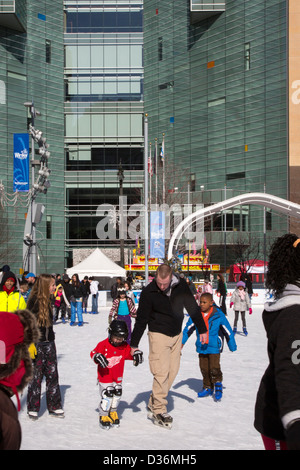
point(21, 162)
point(157, 234)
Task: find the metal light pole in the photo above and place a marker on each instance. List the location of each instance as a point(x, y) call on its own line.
point(146, 198)
point(121, 209)
point(32, 243)
point(40, 186)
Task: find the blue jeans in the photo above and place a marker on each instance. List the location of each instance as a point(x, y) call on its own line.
point(95, 303)
point(76, 306)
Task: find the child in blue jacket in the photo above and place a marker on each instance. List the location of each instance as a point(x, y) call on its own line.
point(218, 327)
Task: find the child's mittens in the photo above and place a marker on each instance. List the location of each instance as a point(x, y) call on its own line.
point(32, 351)
point(231, 304)
point(250, 311)
point(137, 357)
point(101, 360)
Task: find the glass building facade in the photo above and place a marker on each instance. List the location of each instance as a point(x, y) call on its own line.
point(216, 87)
point(218, 81)
point(31, 69)
point(103, 113)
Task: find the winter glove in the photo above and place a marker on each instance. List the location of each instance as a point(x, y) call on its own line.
point(231, 304)
point(137, 357)
point(101, 360)
point(250, 311)
point(94, 295)
point(32, 351)
point(293, 436)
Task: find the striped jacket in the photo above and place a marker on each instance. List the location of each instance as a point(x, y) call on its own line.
point(115, 307)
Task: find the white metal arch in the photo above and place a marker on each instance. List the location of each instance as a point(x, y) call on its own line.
point(260, 199)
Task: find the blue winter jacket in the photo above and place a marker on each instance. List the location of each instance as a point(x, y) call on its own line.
point(219, 328)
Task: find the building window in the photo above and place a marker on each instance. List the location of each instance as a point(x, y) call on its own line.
point(48, 51)
point(236, 176)
point(247, 56)
point(105, 158)
point(268, 220)
point(104, 21)
point(49, 227)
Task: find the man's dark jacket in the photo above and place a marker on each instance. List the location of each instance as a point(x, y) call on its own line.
point(163, 311)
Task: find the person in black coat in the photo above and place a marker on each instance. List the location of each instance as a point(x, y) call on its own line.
point(86, 292)
point(247, 279)
point(67, 287)
point(77, 293)
point(161, 309)
point(221, 289)
point(277, 408)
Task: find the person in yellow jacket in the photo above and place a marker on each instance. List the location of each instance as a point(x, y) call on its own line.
point(10, 297)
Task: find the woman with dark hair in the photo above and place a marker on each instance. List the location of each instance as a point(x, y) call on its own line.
point(277, 409)
point(43, 352)
point(77, 293)
point(221, 289)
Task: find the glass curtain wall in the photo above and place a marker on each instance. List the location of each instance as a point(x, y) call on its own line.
point(103, 113)
point(217, 89)
point(31, 69)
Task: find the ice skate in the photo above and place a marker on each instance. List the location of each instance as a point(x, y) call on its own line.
point(33, 415)
point(218, 391)
point(205, 392)
point(245, 331)
point(105, 422)
point(57, 413)
point(115, 419)
point(161, 419)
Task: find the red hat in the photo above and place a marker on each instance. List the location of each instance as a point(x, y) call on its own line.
point(17, 331)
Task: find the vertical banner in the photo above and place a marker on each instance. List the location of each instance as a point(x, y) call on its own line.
point(157, 234)
point(21, 162)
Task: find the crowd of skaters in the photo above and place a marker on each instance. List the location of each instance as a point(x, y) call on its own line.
point(29, 354)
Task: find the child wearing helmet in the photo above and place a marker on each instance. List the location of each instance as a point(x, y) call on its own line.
point(110, 356)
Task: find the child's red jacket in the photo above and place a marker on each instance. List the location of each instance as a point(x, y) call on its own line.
point(116, 356)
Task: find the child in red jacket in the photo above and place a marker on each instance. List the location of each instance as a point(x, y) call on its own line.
point(110, 356)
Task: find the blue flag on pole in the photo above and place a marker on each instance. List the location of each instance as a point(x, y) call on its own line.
point(21, 162)
point(157, 234)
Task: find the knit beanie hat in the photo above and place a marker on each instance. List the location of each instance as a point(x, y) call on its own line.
point(17, 331)
point(241, 284)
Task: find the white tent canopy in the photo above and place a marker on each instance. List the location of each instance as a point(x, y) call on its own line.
point(98, 265)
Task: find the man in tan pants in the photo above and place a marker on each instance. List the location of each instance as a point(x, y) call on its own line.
point(161, 308)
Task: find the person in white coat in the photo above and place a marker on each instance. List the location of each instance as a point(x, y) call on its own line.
point(240, 301)
point(95, 294)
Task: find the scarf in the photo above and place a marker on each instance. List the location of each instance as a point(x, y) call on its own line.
point(8, 291)
point(242, 294)
point(206, 316)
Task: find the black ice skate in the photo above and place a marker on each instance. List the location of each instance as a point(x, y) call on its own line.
point(161, 419)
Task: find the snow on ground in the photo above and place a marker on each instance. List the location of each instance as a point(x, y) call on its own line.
point(199, 424)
